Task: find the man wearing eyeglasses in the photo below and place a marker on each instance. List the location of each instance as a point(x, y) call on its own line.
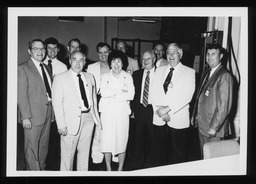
point(171, 92)
point(35, 111)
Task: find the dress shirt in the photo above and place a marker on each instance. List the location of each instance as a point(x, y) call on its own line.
point(151, 76)
point(57, 66)
point(176, 68)
point(213, 69)
point(89, 98)
point(38, 67)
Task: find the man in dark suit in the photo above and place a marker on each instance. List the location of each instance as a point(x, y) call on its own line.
point(213, 99)
point(73, 45)
point(34, 105)
point(143, 112)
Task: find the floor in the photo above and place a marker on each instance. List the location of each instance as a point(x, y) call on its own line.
point(53, 159)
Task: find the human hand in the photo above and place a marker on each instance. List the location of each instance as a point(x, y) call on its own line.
point(211, 133)
point(63, 131)
point(27, 124)
point(166, 118)
point(162, 110)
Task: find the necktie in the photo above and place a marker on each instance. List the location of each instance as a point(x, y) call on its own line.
point(82, 90)
point(50, 66)
point(206, 78)
point(145, 92)
point(168, 80)
point(47, 86)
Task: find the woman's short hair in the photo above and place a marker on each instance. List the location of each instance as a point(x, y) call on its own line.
point(115, 54)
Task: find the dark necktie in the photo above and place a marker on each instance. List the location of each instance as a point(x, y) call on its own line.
point(47, 86)
point(82, 90)
point(168, 80)
point(50, 66)
point(146, 89)
point(206, 78)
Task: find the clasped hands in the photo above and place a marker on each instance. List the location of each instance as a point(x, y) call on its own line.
point(162, 112)
point(63, 131)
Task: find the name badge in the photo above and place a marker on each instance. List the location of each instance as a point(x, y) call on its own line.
point(206, 93)
point(170, 85)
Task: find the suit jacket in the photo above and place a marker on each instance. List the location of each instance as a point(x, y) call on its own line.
point(32, 98)
point(137, 80)
point(177, 97)
point(214, 103)
point(132, 65)
point(66, 102)
point(94, 69)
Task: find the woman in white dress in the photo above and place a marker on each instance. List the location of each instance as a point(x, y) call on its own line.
point(116, 90)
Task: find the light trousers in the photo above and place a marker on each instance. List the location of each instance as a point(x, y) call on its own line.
point(80, 143)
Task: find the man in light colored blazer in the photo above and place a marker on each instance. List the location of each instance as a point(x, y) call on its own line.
point(159, 49)
point(213, 99)
point(34, 106)
point(101, 67)
point(171, 107)
point(75, 113)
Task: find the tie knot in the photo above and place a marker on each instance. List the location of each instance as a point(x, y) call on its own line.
point(148, 72)
point(171, 69)
point(41, 64)
point(79, 75)
point(50, 61)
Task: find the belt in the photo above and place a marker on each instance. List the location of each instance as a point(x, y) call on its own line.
point(86, 111)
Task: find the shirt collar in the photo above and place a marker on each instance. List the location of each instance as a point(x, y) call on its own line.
point(152, 69)
point(36, 62)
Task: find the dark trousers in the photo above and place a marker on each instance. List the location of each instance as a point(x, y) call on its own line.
point(144, 133)
point(176, 145)
point(160, 145)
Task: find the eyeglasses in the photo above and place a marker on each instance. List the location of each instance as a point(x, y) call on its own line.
point(172, 53)
point(35, 49)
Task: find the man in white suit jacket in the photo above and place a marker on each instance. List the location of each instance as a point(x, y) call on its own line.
point(171, 108)
point(75, 119)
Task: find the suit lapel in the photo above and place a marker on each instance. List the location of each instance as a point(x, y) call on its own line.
point(37, 74)
point(70, 80)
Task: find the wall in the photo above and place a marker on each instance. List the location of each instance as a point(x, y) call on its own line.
point(90, 32)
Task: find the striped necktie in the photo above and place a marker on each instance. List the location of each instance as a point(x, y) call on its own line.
point(146, 89)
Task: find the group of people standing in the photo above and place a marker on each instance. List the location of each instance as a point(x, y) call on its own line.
point(113, 93)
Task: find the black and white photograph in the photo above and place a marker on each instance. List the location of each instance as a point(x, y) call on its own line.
point(115, 91)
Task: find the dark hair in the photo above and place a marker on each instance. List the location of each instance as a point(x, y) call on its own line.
point(216, 46)
point(53, 41)
point(114, 54)
point(34, 40)
point(74, 40)
point(102, 44)
point(159, 43)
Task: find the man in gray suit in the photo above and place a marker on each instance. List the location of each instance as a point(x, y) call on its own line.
point(213, 99)
point(34, 105)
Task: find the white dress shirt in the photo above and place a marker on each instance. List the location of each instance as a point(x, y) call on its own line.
point(151, 76)
point(38, 67)
point(89, 99)
point(213, 69)
point(57, 66)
